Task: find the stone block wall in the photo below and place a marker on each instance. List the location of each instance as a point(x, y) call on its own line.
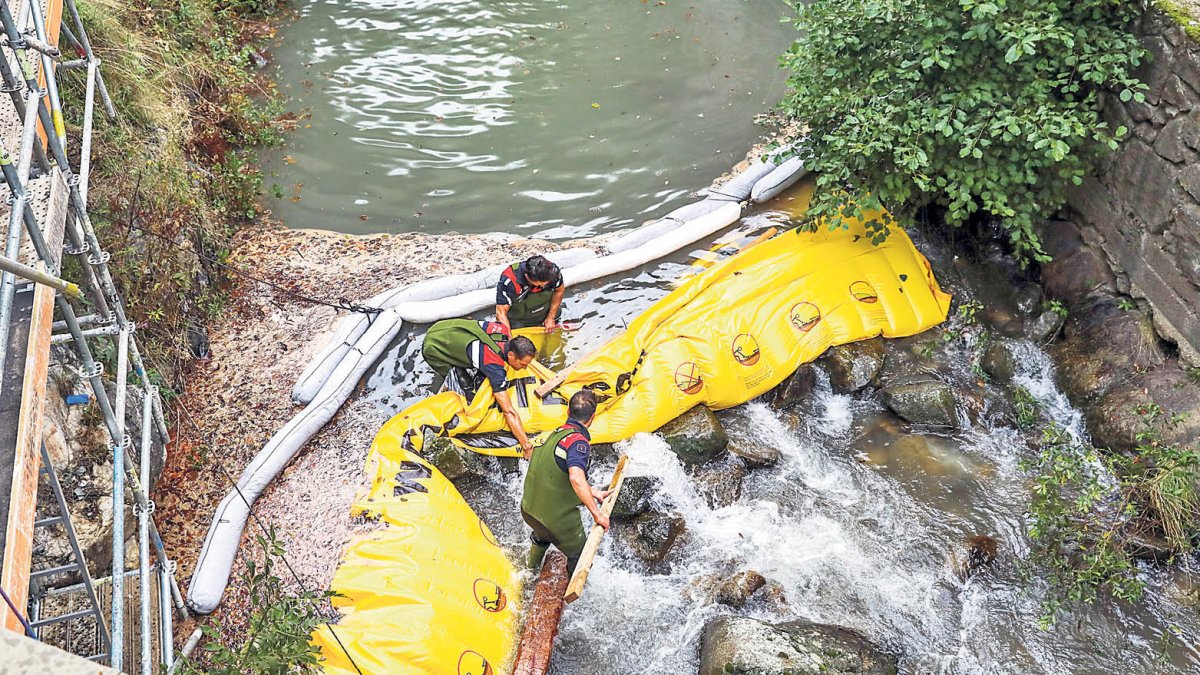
point(1142, 211)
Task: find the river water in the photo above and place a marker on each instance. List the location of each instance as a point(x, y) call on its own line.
point(479, 116)
point(551, 119)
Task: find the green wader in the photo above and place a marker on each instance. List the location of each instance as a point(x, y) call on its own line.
point(550, 506)
point(445, 344)
point(529, 308)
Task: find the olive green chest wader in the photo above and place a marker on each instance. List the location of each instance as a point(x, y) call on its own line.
point(445, 345)
point(549, 504)
point(530, 307)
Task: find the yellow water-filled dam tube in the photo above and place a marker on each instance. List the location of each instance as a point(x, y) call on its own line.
point(720, 339)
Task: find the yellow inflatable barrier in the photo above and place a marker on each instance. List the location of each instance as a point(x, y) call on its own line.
point(720, 339)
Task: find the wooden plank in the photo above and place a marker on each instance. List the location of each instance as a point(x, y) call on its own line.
point(542, 617)
point(575, 588)
point(22, 507)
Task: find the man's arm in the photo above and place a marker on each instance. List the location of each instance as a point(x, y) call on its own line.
point(555, 302)
point(584, 492)
point(514, 422)
point(502, 316)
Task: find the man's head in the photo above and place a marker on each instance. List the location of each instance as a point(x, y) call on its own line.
point(582, 407)
point(521, 351)
point(540, 272)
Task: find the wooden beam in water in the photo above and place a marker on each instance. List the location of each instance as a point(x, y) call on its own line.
point(541, 619)
point(575, 588)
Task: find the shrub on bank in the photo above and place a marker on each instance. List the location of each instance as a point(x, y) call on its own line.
point(173, 177)
point(982, 108)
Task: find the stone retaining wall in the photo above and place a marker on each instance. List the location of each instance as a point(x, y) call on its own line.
point(1142, 212)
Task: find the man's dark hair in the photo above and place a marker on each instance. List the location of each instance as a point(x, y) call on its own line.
point(537, 268)
point(582, 405)
point(521, 347)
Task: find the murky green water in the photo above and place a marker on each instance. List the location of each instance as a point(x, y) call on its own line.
point(555, 119)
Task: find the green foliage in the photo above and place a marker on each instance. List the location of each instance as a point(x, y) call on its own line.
point(966, 318)
point(173, 176)
point(1088, 507)
point(1057, 307)
point(1026, 407)
point(983, 108)
point(279, 626)
point(1125, 304)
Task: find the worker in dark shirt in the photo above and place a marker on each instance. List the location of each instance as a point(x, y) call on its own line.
point(483, 348)
point(557, 484)
point(530, 293)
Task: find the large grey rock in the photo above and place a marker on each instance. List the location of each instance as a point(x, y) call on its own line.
point(651, 535)
point(998, 361)
point(743, 646)
point(755, 454)
point(1175, 141)
point(1044, 327)
point(636, 494)
point(720, 481)
point(855, 366)
point(929, 403)
point(1114, 421)
point(1102, 345)
point(695, 436)
point(795, 389)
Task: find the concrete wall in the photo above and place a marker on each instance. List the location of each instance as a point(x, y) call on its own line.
point(1143, 209)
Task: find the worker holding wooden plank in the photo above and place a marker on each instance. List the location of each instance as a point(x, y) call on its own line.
point(557, 485)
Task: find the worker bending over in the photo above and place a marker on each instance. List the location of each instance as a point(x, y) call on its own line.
point(557, 484)
point(530, 294)
point(474, 350)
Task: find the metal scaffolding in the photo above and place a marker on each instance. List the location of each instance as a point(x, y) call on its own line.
point(27, 73)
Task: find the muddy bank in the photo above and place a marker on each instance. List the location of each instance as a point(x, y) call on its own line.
point(238, 395)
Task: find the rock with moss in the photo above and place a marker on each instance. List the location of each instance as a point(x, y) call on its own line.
point(998, 361)
point(636, 494)
point(795, 389)
point(1101, 346)
point(720, 481)
point(696, 436)
point(651, 535)
point(743, 646)
point(927, 403)
point(855, 366)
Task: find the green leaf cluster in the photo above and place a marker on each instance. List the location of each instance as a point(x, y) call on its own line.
point(1090, 509)
point(985, 109)
point(280, 624)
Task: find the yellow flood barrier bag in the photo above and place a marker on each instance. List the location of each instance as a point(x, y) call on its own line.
point(720, 339)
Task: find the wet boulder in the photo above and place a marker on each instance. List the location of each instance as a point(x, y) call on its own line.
point(720, 481)
point(1116, 418)
point(737, 589)
point(695, 436)
point(855, 366)
point(928, 403)
point(1042, 328)
point(754, 454)
point(978, 552)
point(636, 494)
point(795, 389)
point(454, 462)
point(1102, 344)
point(743, 645)
point(651, 535)
point(998, 361)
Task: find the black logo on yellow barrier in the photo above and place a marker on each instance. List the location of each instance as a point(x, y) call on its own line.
point(487, 534)
point(804, 316)
point(745, 349)
point(472, 663)
point(489, 595)
point(864, 292)
point(687, 378)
